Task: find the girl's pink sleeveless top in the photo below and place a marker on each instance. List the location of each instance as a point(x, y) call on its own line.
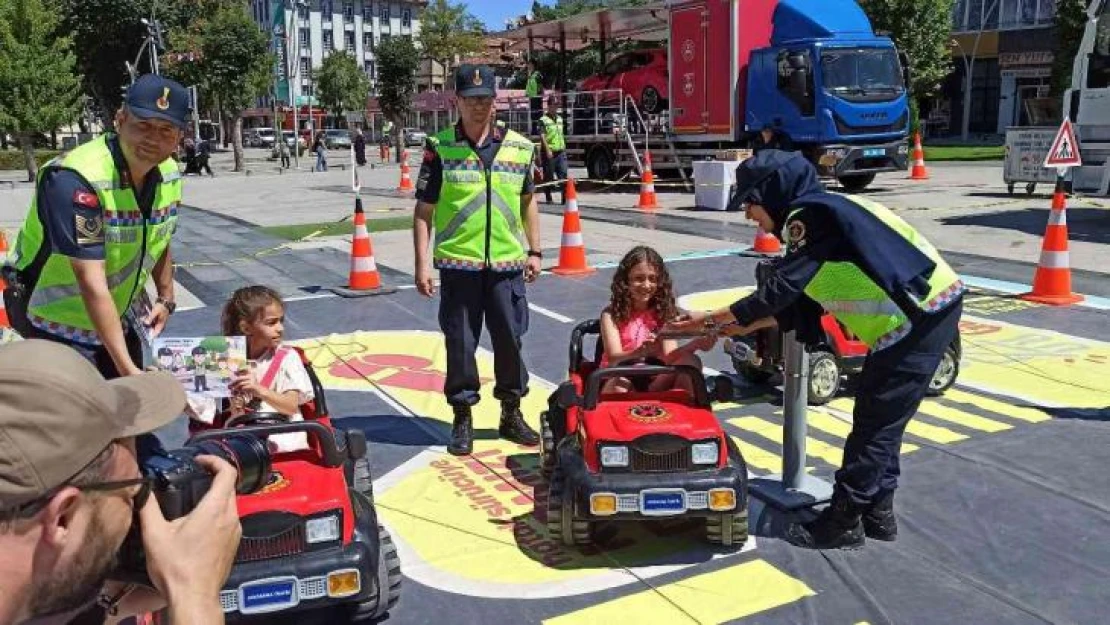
point(635, 331)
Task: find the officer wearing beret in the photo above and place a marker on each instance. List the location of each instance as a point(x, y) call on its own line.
point(99, 226)
point(861, 263)
point(475, 191)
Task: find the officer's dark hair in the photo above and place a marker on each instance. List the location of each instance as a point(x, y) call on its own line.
point(620, 301)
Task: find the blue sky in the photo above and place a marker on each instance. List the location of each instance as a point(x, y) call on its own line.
point(494, 12)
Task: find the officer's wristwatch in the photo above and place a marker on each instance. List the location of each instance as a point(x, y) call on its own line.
point(535, 253)
point(169, 304)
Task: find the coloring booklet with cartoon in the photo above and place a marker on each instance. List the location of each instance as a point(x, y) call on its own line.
point(204, 365)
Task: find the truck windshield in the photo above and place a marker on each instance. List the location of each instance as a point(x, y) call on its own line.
point(861, 73)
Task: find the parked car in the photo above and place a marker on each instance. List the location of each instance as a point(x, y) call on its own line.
point(337, 139)
point(414, 136)
point(641, 74)
point(262, 137)
point(287, 136)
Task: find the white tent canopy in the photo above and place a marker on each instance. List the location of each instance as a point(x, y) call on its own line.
point(644, 23)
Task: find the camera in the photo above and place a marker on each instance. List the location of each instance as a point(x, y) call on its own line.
point(179, 482)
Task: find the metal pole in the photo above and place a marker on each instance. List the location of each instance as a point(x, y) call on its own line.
point(794, 400)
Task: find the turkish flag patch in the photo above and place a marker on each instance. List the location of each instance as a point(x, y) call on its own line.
point(86, 199)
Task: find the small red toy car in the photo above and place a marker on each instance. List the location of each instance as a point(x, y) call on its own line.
point(637, 456)
point(311, 537)
point(641, 74)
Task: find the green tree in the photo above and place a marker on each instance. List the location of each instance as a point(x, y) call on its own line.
point(1071, 20)
point(228, 56)
point(341, 85)
point(449, 29)
point(108, 34)
point(922, 29)
point(39, 89)
point(397, 62)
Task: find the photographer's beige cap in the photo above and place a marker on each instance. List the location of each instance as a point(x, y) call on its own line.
point(57, 413)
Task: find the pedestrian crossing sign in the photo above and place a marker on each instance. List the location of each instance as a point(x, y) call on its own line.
point(1065, 149)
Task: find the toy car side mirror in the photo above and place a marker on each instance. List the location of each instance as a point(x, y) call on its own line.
point(567, 397)
point(356, 444)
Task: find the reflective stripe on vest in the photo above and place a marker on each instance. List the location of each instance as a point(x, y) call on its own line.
point(476, 229)
point(55, 304)
point(553, 133)
point(847, 293)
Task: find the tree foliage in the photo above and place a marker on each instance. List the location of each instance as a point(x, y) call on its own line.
point(108, 34)
point(39, 89)
point(341, 85)
point(449, 29)
point(228, 57)
point(397, 64)
point(922, 29)
point(1071, 20)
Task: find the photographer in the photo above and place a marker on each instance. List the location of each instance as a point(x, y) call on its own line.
point(70, 485)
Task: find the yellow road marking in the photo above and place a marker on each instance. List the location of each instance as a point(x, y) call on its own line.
point(934, 433)
point(773, 432)
point(721, 596)
point(829, 424)
point(758, 457)
point(1024, 413)
point(955, 415)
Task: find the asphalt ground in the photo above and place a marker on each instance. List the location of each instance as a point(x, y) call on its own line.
point(1003, 507)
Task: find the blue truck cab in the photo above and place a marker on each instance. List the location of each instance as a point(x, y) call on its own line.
point(833, 88)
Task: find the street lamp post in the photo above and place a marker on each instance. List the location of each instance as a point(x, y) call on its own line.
point(969, 68)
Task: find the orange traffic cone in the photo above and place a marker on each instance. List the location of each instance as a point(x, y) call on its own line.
point(918, 172)
point(1052, 281)
point(4, 321)
point(766, 243)
point(364, 277)
point(572, 252)
point(406, 181)
point(647, 186)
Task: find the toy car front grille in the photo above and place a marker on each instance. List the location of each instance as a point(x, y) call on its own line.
point(659, 461)
point(290, 542)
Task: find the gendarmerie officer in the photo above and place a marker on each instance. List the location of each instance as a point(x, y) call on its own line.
point(475, 191)
point(554, 148)
point(99, 226)
point(858, 261)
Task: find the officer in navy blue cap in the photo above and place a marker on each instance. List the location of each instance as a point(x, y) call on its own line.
point(98, 227)
point(475, 191)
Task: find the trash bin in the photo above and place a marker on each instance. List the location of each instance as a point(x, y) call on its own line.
point(713, 182)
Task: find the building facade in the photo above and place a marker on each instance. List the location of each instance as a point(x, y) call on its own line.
point(1012, 44)
point(304, 33)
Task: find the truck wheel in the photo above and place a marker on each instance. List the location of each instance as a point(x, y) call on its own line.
point(946, 373)
point(389, 577)
point(547, 445)
point(600, 164)
point(650, 101)
point(729, 529)
point(854, 183)
point(824, 377)
point(560, 515)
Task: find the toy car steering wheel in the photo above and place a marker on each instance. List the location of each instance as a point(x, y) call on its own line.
point(257, 418)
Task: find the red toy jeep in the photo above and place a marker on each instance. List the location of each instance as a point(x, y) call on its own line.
point(311, 537)
point(637, 456)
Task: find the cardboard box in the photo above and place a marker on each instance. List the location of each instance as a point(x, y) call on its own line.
point(733, 155)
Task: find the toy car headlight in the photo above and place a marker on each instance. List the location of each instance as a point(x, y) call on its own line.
point(614, 456)
point(322, 529)
point(704, 453)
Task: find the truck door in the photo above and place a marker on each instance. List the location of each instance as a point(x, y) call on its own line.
point(689, 114)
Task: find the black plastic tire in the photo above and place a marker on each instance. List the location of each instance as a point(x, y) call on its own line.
point(561, 523)
point(389, 579)
point(359, 477)
point(547, 445)
point(947, 372)
point(824, 378)
point(729, 529)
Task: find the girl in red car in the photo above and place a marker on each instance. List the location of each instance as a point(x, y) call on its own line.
point(642, 300)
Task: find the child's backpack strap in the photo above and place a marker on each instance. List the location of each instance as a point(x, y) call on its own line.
point(275, 366)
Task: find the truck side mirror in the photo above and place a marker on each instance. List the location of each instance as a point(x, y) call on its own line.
point(907, 74)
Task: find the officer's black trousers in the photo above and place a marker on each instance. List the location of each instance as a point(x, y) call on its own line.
point(466, 299)
point(890, 388)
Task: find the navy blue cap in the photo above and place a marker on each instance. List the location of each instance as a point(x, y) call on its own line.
point(157, 97)
point(475, 81)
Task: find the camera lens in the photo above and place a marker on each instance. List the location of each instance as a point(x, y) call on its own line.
point(248, 454)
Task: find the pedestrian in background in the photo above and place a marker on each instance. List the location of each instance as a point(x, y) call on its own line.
point(320, 149)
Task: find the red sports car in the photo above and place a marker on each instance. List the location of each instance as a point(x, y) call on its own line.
point(641, 74)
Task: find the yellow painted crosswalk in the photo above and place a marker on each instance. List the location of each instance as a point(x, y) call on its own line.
point(964, 415)
point(728, 594)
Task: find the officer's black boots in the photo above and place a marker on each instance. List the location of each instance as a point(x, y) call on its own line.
point(513, 428)
point(837, 527)
point(878, 518)
point(462, 433)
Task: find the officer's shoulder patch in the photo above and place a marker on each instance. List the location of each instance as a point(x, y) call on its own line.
point(796, 233)
point(86, 199)
point(89, 229)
